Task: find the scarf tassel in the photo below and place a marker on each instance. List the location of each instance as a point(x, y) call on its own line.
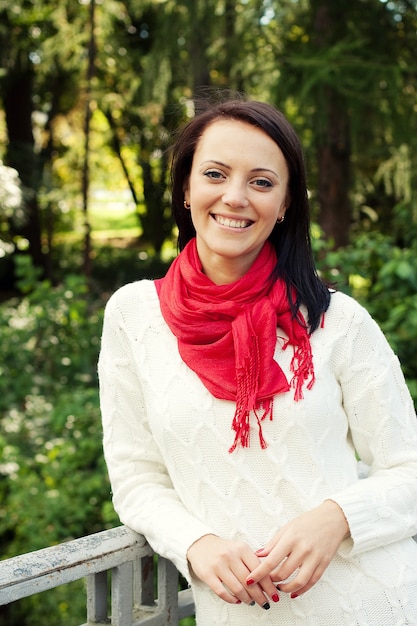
point(302, 367)
point(246, 403)
point(241, 424)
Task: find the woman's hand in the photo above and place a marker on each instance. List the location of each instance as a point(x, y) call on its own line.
point(303, 548)
point(225, 565)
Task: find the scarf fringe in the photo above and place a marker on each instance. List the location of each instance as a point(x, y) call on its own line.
point(302, 368)
point(246, 397)
point(247, 388)
point(241, 425)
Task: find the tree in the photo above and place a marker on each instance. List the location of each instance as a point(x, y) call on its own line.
point(40, 46)
point(333, 132)
point(347, 70)
point(17, 96)
point(140, 108)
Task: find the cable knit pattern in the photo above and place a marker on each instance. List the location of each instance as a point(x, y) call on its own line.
point(166, 442)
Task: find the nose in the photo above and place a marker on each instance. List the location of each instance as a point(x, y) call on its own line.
point(235, 195)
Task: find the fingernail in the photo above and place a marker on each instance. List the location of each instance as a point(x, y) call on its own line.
point(252, 603)
point(275, 597)
point(259, 551)
point(250, 581)
point(238, 601)
point(266, 606)
point(278, 587)
point(294, 595)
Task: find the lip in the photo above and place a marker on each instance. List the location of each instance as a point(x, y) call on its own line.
point(235, 223)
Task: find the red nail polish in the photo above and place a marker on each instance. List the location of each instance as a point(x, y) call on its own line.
point(250, 581)
point(294, 595)
point(275, 597)
point(238, 601)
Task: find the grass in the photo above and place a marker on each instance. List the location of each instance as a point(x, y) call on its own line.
point(104, 218)
point(107, 223)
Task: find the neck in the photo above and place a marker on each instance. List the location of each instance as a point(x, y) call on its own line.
point(224, 271)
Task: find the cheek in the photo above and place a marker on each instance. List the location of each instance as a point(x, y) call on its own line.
point(281, 205)
point(273, 209)
point(195, 214)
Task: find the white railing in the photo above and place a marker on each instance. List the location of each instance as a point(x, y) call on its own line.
point(130, 561)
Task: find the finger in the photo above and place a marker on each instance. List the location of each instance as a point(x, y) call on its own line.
point(304, 555)
point(289, 567)
point(304, 580)
point(221, 590)
point(268, 588)
point(263, 592)
point(269, 564)
point(234, 579)
point(300, 567)
point(258, 592)
point(263, 595)
point(239, 591)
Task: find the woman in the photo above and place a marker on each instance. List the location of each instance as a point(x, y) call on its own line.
point(238, 392)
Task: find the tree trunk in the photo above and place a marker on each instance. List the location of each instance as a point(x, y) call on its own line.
point(18, 108)
point(332, 132)
point(85, 183)
point(333, 152)
point(200, 76)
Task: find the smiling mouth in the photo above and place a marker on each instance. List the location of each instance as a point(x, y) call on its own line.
point(232, 223)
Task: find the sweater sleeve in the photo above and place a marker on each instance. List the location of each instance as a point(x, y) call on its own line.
point(381, 508)
point(143, 494)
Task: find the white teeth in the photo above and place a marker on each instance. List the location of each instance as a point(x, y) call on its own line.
point(225, 221)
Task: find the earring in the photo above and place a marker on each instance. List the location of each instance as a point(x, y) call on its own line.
point(186, 205)
point(281, 219)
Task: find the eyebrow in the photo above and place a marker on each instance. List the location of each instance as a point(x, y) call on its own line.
point(255, 169)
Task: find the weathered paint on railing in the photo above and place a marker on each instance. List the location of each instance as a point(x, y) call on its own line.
point(130, 561)
point(121, 551)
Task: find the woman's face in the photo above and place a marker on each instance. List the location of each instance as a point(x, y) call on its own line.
point(237, 190)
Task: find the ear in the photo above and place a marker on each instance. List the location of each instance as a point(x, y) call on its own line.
point(283, 210)
point(186, 190)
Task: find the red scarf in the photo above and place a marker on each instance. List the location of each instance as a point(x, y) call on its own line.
point(227, 334)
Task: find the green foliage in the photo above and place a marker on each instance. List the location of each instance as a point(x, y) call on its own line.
point(53, 480)
point(383, 277)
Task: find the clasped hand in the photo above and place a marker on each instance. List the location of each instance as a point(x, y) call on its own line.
point(300, 551)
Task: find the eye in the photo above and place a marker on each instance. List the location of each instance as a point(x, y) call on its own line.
point(262, 182)
point(213, 175)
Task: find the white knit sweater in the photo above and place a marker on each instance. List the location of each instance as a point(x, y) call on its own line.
point(166, 442)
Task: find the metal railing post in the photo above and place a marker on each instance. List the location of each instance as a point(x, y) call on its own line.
point(97, 592)
point(122, 595)
point(168, 591)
